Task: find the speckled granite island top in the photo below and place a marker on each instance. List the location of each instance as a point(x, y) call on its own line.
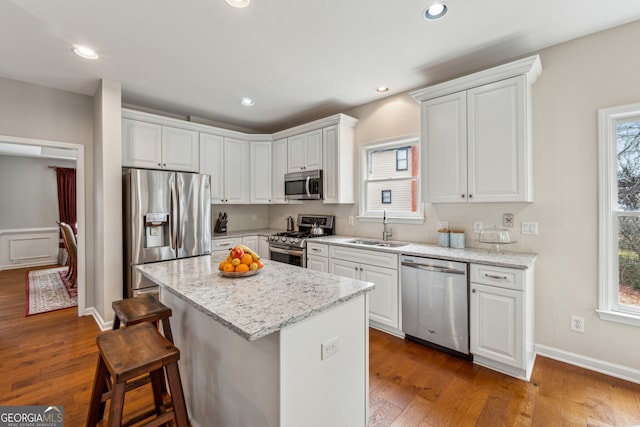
point(253, 307)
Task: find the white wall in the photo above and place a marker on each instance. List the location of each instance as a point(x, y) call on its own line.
point(578, 78)
point(28, 191)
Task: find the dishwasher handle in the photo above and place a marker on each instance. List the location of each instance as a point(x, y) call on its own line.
point(434, 268)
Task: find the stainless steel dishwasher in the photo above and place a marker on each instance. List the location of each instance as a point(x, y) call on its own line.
point(435, 309)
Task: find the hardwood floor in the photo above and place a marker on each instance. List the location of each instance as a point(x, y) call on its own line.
point(50, 358)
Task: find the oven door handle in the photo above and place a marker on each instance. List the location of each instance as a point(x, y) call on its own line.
point(286, 251)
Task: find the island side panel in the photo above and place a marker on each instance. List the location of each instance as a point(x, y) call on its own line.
point(227, 380)
point(333, 391)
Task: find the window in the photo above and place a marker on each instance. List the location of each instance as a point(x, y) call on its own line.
point(402, 156)
point(619, 216)
point(391, 167)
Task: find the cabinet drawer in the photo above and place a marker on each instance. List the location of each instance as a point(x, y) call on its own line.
point(508, 278)
point(377, 258)
point(221, 245)
point(317, 249)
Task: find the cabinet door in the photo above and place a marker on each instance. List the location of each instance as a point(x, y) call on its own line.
point(236, 162)
point(383, 300)
point(251, 242)
point(179, 149)
point(444, 153)
point(279, 163)
point(263, 245)
point(496, 321)
point(212, 163)
point(338, 151)
point(141, 144)
point(296, 153)
point(496, 142)
point(313, 155)
point(344, 268)
point(318, 263)
point(260, 171)
point(220, 246)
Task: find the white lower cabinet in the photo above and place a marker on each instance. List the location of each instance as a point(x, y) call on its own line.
point(377, 267)
point(501, 319)
point(224, 244)
point(263, 247)
point(252, 243)
point(317, 257)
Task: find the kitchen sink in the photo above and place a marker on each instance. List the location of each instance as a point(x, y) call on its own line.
point(377, 243)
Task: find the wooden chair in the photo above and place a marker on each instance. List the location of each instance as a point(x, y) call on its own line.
point(72, 249)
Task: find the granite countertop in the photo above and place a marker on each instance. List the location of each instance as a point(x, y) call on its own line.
point(519, 260)
point(278, 296)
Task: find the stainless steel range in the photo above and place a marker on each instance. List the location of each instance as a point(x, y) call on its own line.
point(290, 247)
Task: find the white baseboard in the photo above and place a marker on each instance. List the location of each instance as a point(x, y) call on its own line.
point(607, 368)
point(102, 324)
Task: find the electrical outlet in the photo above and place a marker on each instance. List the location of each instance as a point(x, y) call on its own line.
point(477, 226)
point(329, 348)
point(443, 225)
point(507, 220)
point(577, 324)
point(350, 220)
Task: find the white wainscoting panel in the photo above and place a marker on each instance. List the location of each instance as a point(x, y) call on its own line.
point(28, 247)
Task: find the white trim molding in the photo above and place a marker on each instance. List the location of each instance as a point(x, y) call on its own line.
point(607, 368)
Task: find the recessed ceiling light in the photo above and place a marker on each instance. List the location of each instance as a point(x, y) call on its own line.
point(85, 52)
point(435, 11)
point(382, 89)
point(238, 3)
point(247, 102)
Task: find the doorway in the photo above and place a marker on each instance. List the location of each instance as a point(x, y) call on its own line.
point(80, 202)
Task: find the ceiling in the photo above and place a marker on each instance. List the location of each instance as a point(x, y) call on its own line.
point(298, 59)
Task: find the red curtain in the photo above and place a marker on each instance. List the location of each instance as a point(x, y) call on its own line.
point(66, 178)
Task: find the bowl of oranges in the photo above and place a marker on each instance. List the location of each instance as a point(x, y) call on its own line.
point(241, 262)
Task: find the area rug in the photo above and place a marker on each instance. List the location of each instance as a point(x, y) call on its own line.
point(48, 290)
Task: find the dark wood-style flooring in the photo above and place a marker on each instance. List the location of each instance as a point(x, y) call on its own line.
point(49, 359)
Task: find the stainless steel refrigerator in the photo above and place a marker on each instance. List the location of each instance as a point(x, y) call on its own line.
point(167, 215)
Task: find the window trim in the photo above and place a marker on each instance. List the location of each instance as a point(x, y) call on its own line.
point(405, 150)
point(608, 287)
point(418, 217)
point(382, 197)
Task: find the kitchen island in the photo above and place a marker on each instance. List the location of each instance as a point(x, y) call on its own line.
point(286, 347)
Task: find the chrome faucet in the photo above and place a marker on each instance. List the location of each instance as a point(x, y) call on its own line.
point(386, 230)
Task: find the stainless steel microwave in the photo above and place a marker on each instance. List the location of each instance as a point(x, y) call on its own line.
point(305, 185)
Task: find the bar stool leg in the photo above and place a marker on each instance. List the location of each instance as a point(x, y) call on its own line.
point(117, 405)
point(96, 409)
point(177, 396)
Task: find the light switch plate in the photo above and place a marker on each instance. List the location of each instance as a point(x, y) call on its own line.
point(477, 226)
point(530, 228)
point(443, 225)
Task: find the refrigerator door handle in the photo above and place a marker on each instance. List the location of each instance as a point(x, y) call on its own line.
point(174, 215)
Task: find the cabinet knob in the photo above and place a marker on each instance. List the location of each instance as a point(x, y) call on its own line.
point(470, 195)
point(159, 164)
point(473, 291)
point(462, 195)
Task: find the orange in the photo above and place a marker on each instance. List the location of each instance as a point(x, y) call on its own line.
point(242, 268)
point(222, 264)
point(260, 264)
point(247, 259)
point(229, 267)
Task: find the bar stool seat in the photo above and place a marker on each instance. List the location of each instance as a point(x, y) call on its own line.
point(140, 309)
point(127, 355)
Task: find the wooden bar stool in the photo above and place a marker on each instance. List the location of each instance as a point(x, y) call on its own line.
point(143, 308)
point(127, 355)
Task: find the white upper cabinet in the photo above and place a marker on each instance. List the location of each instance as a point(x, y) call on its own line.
point(338, 153)
point(278, 168)
point(154, 146)
point(476, 135)
point(227, 161)
point(305, 151)
point(260, 171)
